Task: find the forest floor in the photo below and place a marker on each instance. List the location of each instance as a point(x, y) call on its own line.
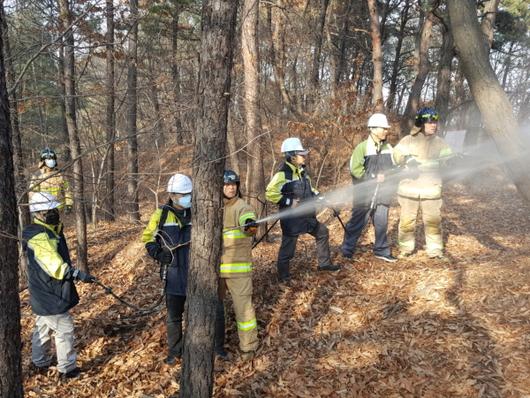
point(416, 328)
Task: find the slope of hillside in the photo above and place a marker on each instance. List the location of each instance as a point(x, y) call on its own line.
point(416, 328)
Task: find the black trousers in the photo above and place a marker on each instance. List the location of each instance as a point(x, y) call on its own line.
point(175, 310)
point(288, 248)
point(354, 228)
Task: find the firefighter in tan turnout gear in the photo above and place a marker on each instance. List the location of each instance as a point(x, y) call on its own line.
point(239, 227)
point(49, 179)
point(424, 153)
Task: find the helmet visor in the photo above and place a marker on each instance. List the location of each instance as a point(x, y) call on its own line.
point(302, 153)
point(430, 117)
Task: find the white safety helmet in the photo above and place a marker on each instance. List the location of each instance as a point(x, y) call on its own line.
point(42, 201)
point(293, 144)
point(378, 120)
point(179, 183)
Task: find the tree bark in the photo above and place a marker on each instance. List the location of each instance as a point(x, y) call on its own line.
point(444, 75)
point(218, 25)
point(21, 183)
point(10, 343)
point(231, 144)
point(67, 156)
point(317, 52)
point(73, 134)
point(339, 60)
point(397, 60)
point(110, 125)
point(496, 110)
point(279, 61)
point(132, 103)
point(422, 69)
point(488, 21)
point(255, 179)
point(377, 56)
point(175, 74)
point(159, 128)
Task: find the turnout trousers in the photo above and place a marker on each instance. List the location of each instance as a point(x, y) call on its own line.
point(360, 216)
point(175, 309)
point(432, 222)
point(241, 291)
point(288, 248)
point(62, 326)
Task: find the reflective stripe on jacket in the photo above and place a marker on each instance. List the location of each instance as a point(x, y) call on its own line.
point(288, 184)
point(236, 258)
point(429, 152)
point(54, 183)
point(175, 231)
point(50, 282)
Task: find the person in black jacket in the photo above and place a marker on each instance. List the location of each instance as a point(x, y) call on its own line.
point(369, 162)
point(51, 285)
point(167, 237)
point(289, 188)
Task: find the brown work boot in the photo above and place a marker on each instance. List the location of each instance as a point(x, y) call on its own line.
point(247, 356)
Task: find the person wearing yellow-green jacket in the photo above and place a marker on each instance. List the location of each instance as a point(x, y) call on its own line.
point(370, 161)
point(239, 227)
point(423, 151)
point(49, 179)
point(289, 188)
point(51, 286)
point(167, 240)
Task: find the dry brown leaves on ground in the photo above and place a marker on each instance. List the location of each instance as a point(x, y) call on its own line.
point(416, 328)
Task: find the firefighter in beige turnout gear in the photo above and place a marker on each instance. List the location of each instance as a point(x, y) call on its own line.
point(236, 268)
point(424, 151)
point(49, 179)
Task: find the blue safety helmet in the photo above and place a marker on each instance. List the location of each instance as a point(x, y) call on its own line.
point(426, 115)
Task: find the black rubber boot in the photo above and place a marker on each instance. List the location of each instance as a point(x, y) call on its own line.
point(219, 341)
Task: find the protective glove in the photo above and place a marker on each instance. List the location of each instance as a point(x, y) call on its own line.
point(456, 161)
point(412, 163)
point(251, 227)
point(67, 209)
point(83, 276)
point(164, 256)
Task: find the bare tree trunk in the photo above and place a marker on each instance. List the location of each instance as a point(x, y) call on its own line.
point(10, 343)
point(339, 62)
point(507, 65)
point(21, 183)
point(377, 56)
point(488, 21)
point(317, 52)
point(279, 61)
point(110, 127)
point(235, 163)
point(255, 181)
point(397, 60)
point(67, 156)
point(444, 75)
point(422, 68)
point(497, 112)
point(218, 25)
point(159, 128)
point(132, 99)
point(75, 146)
point(175, 74)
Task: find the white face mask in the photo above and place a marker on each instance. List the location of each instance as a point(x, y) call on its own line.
point(184, 201)
point(51, 163)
